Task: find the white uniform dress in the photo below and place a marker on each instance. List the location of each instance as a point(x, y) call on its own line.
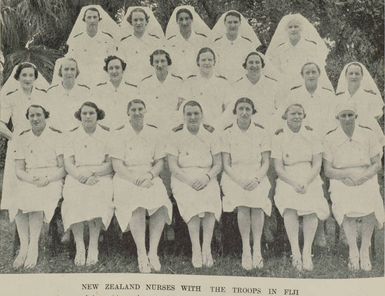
point(245, 149)
point(184, 52)
point(86, 202)
point(136, 52)
point(14, 105)
point(231, 55)
point(263, 94)
point(213, 94)
point(63, 104)
point(194, 154)
point(319, 107)
point(161, 99)
point(40, 155)
point(369, 106)
point(138, 153)
point(296, 150)
point(114, 101)
point(90, 53)
point(354, 152)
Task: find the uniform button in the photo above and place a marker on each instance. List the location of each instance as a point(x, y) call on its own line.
point(156, 97)
point(85, 146)
point(31, 151)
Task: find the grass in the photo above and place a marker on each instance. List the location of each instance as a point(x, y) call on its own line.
point(329, 262)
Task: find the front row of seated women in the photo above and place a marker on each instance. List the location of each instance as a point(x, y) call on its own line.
point(136, 153)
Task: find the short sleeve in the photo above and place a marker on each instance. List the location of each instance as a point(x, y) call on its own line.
point(6, 109)
point(160, 147)
point(116, 147)
point(316, 144)
point(376, 109)
point(171, 146)
point(276, 148)
point(68, 147)
point(225, 139)
point(19, 148)
point(265, 142)
point(216, 145)
point(327, 153)
point(59, 144)
point(374, 146)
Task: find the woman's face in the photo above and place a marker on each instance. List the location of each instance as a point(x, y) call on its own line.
point(136, 111)
point(92, 19)
point(184, 21)
point(310, 73)
point(244, 111)
point(347, 118)
point(159, 62)
point(193, 116)
point(206, 62)
point(253, 64)
point(139, 22)
point(354, 74)
point(36, 118)
point(294, 29)
point(294, 116)
point(232, 24)
point(115, 70)
point(27, 77)
point(88, 116)
point(68, 70)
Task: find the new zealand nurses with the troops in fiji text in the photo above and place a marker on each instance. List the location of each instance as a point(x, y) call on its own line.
point(245, 185)
point(88, 188)
point(40, 172)
point(113, 94)
point(352, 159)
point(138, 156)
point(297, 155)
point(194, 157)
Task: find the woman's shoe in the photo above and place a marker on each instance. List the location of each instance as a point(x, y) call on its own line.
point(154, 262)
point(257, 262)
point(143, 264)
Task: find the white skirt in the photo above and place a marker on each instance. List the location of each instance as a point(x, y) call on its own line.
point(9, 179)
point(191, 202)
point(357, 201)
point(128, 197)
point(235, 195)
point(313, 201)
point(31, 198)
point(86, 202)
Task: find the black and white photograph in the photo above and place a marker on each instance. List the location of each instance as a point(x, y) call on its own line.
point(235, 142)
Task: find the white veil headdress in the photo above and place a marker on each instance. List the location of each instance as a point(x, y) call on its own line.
point(153, 26)
point(198, 25)
point(106, 24)
point(308, 31)
point(245, 29)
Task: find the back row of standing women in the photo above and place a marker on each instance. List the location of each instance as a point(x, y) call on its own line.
point(216, 73)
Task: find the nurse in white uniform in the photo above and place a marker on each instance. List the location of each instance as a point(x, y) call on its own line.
point(233, 40)
point(40, 172)
point(245, 185)
point(66, 95)
point(186, 33)
point(194, 157)
point(295, 42)
point(162, 91)
point(21, 93)
point(91, 40)
point(208, 88)
point(138, 157)
point(113, 94)
point(357, 86)
point(142, 35)
point(297, 154)
point(352, 159)
point(88, 188)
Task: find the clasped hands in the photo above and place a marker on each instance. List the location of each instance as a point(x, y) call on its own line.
point(354, 179)
point(40, 181)
point(87, 177)
point(200, 182)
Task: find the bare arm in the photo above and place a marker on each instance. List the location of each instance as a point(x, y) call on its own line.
point(315, 168)
point(333, 173)
point(4, 131)
point(21, 172)
point(60, 172)
point(177, 171)
point(81, 176)
point(264, 166)
point(371, 171)
point(122, 171)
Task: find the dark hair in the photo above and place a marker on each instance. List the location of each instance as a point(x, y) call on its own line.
point(284, 115)
point(25, 65)
point(183, 10)
point(72, 60)
point(204, 50)
point(249, 55)
point(108, 59)
point(192, 103)
point(160, 51)
point(354, 64)
point(45, 112)
point(100, 113)
point(244, 100)
point(310, 63)
point(232, 13)
point(91, 9)
point(138, 9)
point(135, 101)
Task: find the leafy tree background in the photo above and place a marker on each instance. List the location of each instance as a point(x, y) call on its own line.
point(37, 30)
